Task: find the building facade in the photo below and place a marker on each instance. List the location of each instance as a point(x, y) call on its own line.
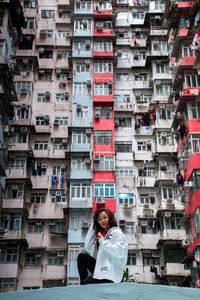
point(105, 93)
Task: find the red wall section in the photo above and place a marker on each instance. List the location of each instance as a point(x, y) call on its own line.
point(103, 53)
point(107, 98)
point(195, 202)
point(192, 164)
point(186, 4)
point(194, 244)
point(104, 124)
point(103, 77)
point(193, 126)
point(188, 60)
point(110, 204)
point(104, 176)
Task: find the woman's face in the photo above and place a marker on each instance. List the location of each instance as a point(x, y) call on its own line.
point(103, 220)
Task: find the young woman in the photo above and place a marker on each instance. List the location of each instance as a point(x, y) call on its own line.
point(106, 251)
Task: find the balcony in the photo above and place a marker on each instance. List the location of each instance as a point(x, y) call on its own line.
point(173, 235)
point(82, 76)
point(81, 174)
point(105, 53)
point(82, 33)
point(193, 127)
point(149, 241)
point(166, 148)
point(161, 123)
point(83, 11)
point(76, 236)
point(185, 4)
point(14, 235)
point(143, 155)
point(19, 147)
point(157, 31)
point(82, 53)
point(166, 176)
point(124, 63)
point(9, 203)
point(100, 13)
point(30, 12)
point(72, 270)
point(156, 7)
point(145, 182)
point(120, 106)
point(17, 173)
point(81, 147)
point(26, 52)
point(9, 270)
point(62, 20)
point(138, 42)
point(101, 32)
point(65, 42)
point(176, 269)
point(41, 182)
point(80, 203)
point(192, 164)
point(170, 205)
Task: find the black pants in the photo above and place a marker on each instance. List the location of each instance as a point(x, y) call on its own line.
point(87, 263)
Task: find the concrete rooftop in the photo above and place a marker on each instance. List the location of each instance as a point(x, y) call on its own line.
point(120, 291)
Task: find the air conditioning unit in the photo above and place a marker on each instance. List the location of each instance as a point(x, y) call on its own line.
point(23, 106)
point(87, 61)
point(52, 223)
point(24, 129)
point(122, 222)
point(146, 206)
point(41, 50)
point(97, 158)
point(64, 141)
point(99, 25)
point(38, 223)
point(47, 94)
point(119, 53)
point(189, 184)
point(97, 115)
point(58, 71)
point(58, 193)
point(25, 60)
point(99, 200)
point(42, 34)
point(60, 254)
point(14, 186)
point(59, 55)
point(88, 131)
point(168, 214)
point(126, 205)
point(116, 123)
point(66, 95)
point(43, 166)
point(157, 81)
point(85, 225)
point(88, 161)
point(163, 134)
point(89, 83)
point(56, 122)
point(46, 118)
point(109, 83)
point(84, 21)
point(144, 223)
point(38, 255)
point(169, 201)
point(155, 254)
point(163, 166)
point(78, 107)
point(24, 91)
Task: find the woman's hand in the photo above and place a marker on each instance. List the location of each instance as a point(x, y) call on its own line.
point(99, 234)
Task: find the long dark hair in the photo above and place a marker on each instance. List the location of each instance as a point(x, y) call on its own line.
point(112, 220)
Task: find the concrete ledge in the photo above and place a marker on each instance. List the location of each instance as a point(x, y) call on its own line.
point(120, 291)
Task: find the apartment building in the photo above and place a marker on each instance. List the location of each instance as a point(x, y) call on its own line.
point(98, 95)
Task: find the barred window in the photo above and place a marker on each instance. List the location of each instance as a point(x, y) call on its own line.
point(103, 137)
point(55, 258)
point(123, 146)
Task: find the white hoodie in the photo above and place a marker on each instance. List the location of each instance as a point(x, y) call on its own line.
point(111, 257)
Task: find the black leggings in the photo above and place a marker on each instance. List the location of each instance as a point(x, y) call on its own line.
point(87, 263)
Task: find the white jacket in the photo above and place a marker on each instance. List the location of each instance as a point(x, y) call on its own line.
point(111, 257)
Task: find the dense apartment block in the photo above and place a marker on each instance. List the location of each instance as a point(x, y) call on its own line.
point(105, 94)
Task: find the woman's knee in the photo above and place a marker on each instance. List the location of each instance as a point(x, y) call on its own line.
point(81, 256)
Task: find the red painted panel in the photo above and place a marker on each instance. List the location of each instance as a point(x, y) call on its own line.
point(103, 12)
point(184, 4)
point(103, 53)
point(190, 91)
point(104, 148)
point(190, 60)
point(110, 204)
point(194, 244)
point(103, 176)
point(104, 124)
point(193, 126)
point(103, 77)
point(192, 164)
point(195, 202)
point(103, 32)
point(183, 32)
point(103, 98)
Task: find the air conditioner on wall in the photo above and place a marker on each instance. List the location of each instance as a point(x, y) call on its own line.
point(168, 214)
point(97, 158)
point(189, 184)
point(99, 200)
point(144, 223)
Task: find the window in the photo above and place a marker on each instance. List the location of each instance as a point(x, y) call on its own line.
point(194, 143)
point(122, 76)
point(80, 190)
point(62, 74)
point(191, 80)
point(193, 110)
point(19, 138)
point(29, 23)
point(163, 89)
point(159, 46)
point(81, 89)
point(122, 147)
point(123, 122)
point(58, 227)
point(144, 146)
point(63, 54)
point(7, 284)
point(122, 101)
point(15, 191)
point(146, 171)
point(138, 16)
point(162, 68)
point(83, 5)
point(126, 198)
point(80, 164)
point(29, 3)
point(55, 258)
point(74, 250)
point(63, 34)
point(173, 222)
point(102, 89)
point(83, 25)
point(131, 258)
point(33, 258)
point(12, 221)
point(129, 228)
point(105, 112)
point(105, 163)
point(41, 97)
point(145, 199)
point(103, 137)
point(80, 138)
point(9, 255)
point(150, 228)
point(82, 67)
point(167, 193)
point(17, 163)
point(38, 197)
point(47, 13)
point(46, 53)
point(151, 258)
point(41, 145)
point(45, 33)
point(82, 113)
point(62, 121)
point(106, 190)
point(82, 46)
point(58, 196)
point(44, 75)
point(62, 97)
point(103, 46)
point(35, 227)
point(165, 138)
point(124, 171)
point(42, 120)
point(196, 220)
point(59, 145)
point(23, 87)
point(58, 170)
point(103, 66)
